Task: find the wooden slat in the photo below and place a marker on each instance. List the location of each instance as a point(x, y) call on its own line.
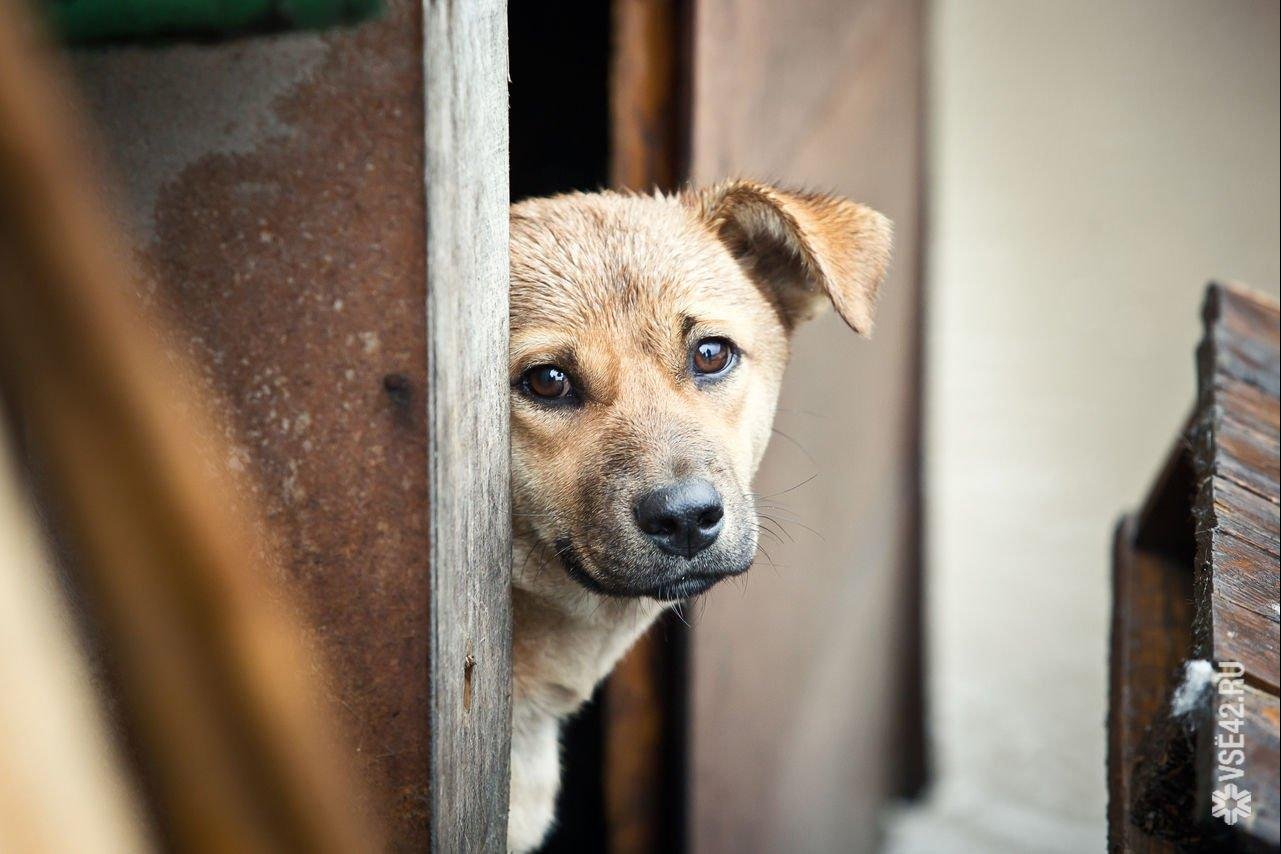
point(1259, 736)
point(1235, 454)
point(1238, 529)
point(1248, 517)
point(1151, 636)
point(467, 279)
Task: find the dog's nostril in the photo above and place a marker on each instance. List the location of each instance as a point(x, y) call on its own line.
point(683, 518)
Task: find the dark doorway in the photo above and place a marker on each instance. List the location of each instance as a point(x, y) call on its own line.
point(560, 143)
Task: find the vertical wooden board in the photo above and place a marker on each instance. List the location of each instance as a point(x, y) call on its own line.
point(1151, 638)
point(799, 679)
point(273, 190)
point(467, 280)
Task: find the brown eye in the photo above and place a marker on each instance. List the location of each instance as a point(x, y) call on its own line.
point(548, 382)
point(713, 356)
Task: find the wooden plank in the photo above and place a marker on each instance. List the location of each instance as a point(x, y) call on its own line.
point(1238, 529)
point(1151, 636)
point(1249, 517)
point(1242, 336)
point(1241, 634)
point(1259, 734)
point(1238, 503)
point(274, 196)
point(1245, 457)
point(469, 461)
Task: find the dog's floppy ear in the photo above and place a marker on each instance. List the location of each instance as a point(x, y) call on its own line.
point(802, 248)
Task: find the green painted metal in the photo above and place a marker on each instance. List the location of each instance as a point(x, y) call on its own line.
point(86, 21)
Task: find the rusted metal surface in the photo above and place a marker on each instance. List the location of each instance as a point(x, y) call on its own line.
point(275, 194)
point(214, 688)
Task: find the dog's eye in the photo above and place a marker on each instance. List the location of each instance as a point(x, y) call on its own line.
point(713, 356)
point(548, 382)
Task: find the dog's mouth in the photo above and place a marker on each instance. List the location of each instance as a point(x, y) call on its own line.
point(669, 590)
point(691, 585)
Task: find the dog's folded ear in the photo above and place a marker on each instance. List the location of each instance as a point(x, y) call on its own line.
point(802, 248)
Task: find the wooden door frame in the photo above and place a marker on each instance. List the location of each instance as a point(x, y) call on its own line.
point(465, 61)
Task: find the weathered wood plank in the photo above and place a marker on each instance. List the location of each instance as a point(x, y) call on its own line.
point(1238, 633)
point(1248, 516)
point(1259, 714)
point(1238, 527)
point(469, 460)
point(1151, 636)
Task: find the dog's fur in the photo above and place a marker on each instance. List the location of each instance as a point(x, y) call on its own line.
point(616, 290)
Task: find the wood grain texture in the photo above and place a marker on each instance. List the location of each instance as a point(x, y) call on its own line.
point(469, 460)
point(1151, 637)
point(1197, 577)
point(1238, 521)
point(1259, 735)
point(1238, 496)
point(802, 676)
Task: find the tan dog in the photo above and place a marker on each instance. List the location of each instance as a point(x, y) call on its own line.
point(648, 339)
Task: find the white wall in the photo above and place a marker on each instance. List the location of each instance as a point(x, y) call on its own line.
point(1092, 165)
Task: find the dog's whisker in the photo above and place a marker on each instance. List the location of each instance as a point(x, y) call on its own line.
point(811, 413)
point(761, 529)
point(768, 558)
point(784, 522)
point(777, 507)
point(790, 488)
point(798, 445)
point(778, 525)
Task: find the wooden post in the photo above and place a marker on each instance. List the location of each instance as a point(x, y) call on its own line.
point(467, 273)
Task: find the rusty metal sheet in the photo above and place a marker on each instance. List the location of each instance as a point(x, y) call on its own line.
point(274, 191)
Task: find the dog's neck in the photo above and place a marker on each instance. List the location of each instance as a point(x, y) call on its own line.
point(566, 638)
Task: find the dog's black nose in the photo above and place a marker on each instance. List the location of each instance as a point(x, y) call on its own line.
point(683, 518)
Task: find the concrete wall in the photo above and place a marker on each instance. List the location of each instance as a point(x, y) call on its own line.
point(1093, 164)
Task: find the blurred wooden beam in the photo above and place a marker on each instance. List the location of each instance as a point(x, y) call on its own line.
point(63, 786)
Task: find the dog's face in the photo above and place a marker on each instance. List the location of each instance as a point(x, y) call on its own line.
point(648, 339)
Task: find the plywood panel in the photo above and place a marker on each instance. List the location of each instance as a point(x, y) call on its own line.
point(801, 715)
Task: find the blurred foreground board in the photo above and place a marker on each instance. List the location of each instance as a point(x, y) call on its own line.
point(1196, 578)
point(87, 21)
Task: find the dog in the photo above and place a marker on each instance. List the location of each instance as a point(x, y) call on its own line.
point(649, 334)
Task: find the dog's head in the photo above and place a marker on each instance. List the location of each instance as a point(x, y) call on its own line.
point(648, 339)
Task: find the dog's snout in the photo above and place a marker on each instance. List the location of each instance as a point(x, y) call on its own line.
point(682, 518)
